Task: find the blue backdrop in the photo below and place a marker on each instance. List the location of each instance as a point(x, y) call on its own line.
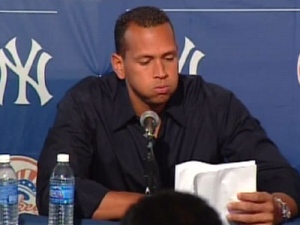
point(248, 46)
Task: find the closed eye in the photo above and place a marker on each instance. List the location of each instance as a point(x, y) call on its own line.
point(170, 58)
point(144, 63)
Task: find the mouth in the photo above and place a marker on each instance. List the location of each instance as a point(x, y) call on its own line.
point(162, 89)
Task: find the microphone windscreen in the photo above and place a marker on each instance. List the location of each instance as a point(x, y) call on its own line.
point(150, 114)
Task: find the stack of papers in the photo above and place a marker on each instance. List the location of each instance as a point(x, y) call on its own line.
point(217, 184)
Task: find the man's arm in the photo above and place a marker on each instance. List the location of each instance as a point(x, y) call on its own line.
point(114, 205)
point(291, 203)
point(243, 139)
point(72, 133)
point(260, 208)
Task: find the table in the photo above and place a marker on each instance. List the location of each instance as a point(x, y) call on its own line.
point(29, 219)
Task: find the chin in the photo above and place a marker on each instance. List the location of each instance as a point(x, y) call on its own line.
point(160, 100)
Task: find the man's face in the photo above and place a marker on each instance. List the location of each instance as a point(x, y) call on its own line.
point(150, 64)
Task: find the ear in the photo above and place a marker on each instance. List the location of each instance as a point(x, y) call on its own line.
point(118, 66)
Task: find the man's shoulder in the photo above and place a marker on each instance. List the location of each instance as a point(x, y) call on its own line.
point(100, 81)
point(199, 93)
point(95, 86)
point(196, 85)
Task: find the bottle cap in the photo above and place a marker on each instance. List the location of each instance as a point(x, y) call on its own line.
point(63, 158)
point(4, 158)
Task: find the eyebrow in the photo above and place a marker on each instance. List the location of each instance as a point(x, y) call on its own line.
point(173, 52)
point(143, 56)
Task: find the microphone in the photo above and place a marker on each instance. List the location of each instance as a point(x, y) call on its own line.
point(149, 120)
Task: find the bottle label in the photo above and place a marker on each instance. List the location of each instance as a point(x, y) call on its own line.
point(62, 194)
point(9, 194)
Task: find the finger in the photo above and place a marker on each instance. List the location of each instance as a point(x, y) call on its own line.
point(250, 207)
point(242, 207)
point(255, 197)
point(255, 218)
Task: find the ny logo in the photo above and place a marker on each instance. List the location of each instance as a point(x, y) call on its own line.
point(22, 71)
point(195, 58)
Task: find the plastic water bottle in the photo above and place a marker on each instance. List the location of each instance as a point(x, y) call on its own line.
point(8, 192)
point(61, 195)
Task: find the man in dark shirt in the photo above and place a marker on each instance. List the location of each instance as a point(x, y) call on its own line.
point(98, 125)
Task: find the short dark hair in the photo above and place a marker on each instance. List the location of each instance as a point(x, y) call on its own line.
point(144, 16)
point(170, 207)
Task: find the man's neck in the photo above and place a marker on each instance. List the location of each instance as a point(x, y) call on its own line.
point(139, 109)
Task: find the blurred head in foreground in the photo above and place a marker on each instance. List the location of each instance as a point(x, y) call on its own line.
point(169, 207)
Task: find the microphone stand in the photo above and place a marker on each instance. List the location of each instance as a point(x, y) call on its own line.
point(151, 169)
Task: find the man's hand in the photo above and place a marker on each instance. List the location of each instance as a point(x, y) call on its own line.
point(257, 208)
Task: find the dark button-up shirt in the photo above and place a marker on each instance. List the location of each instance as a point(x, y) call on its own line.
point(97, 126)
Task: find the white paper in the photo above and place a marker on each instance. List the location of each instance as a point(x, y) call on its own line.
point(217, 184)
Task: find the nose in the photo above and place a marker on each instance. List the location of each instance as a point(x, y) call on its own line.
point(159, 70)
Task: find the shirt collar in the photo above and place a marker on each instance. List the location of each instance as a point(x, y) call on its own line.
point(123, 110)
